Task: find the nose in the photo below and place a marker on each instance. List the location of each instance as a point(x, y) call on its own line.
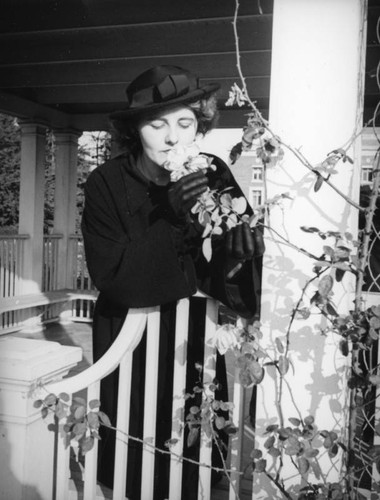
point(171, 136)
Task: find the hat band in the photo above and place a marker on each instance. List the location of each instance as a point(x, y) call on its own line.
point(171, 87)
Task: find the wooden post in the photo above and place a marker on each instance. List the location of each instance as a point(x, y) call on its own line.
point(26, 443)
point(31, 217)
point(316, 107)
point(65, 197)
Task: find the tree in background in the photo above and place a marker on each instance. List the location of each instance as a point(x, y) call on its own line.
point(93, 151)
point(10, 147)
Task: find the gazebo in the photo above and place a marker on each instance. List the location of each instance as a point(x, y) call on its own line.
point(65, 66)
point(312, 69)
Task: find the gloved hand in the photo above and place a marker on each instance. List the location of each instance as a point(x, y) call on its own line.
point(242, 243)
point(183, 194)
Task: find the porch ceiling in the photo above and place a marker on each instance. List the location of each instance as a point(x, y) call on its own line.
point(67, 62)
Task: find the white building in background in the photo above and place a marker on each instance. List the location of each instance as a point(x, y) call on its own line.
point(248, 169)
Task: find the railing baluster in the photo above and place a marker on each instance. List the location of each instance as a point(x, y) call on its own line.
point(91, 460)
point(179, 384)
point(123, 406)
point(211, 320)
point(150, 403)
point(236, 440)
point(62, 470)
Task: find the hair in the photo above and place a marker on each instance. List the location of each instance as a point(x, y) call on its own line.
point(126, 131)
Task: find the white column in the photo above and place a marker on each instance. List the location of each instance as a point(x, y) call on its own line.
point(315, 104)
point(26, 443)
point(31, 216)
point(65, 199)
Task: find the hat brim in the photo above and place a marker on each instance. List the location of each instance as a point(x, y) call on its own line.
point(201, 93)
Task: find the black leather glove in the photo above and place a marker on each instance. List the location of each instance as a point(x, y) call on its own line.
point(242, 243)
point(183, 194)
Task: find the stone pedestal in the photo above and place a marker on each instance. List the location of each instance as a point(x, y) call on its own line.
point(26, 443)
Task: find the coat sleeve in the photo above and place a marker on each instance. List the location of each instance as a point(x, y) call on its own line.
point(242, 293)
point(130, 270)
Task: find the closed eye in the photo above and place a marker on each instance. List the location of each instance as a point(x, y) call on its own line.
point(186, 123)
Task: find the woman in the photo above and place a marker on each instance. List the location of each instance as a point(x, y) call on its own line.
point(143, 248)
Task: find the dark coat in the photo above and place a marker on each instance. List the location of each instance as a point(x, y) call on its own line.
point(138, 256)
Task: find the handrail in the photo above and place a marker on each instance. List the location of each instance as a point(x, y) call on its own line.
point(14, 236)
point(135, 322)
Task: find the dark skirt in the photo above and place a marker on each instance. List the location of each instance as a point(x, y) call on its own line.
point(105, 329)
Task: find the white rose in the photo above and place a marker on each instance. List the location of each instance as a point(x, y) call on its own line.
point(226, 338)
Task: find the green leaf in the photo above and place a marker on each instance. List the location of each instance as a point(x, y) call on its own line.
point(279, 345)
point(318, 183)
point(80, 412)
point(295, 421)
point(309, 420)
point(207, 249)
point(339, 273)
point(79, 429)
point(60, 410)
point(171, 442)
point(303, 465)
point(307, 229)
point(64, 396)
point(220, 422)
point(95, 403)
point(330, 309)
point(38, 403)
point(333, 450)
point(93, 420)
point(260, 465)
point(271, 428)
point(343, 346)
point(87, 444)
point(269, 442)
point(292, 450)
point(311, 453)
point(50, 400)
point(375, 310)
point(325, 285)
point(104, 419)
point(192, 437)
point(255, 454)
point(283, 365)
point(274, 452)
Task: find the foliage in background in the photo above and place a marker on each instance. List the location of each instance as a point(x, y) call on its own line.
point(90, 154)
point(10, 147)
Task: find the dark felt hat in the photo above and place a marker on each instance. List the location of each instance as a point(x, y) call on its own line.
point(161, 87)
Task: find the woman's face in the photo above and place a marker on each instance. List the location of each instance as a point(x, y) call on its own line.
point(166, 130)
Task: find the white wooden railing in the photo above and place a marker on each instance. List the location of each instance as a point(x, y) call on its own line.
point(12, 248)
point(120, 355)
point(82, 309)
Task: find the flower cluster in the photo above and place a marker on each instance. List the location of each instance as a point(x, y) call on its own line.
point(243, 341)
point(216, 211)
point(184, 160)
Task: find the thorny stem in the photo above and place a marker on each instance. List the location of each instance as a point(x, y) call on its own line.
point(226, 472)
point(292, 318)
point(175, 455)
point(370, 211)
point(278, 485)
point(289, 243)
point(359, 286)
point(295, 151)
